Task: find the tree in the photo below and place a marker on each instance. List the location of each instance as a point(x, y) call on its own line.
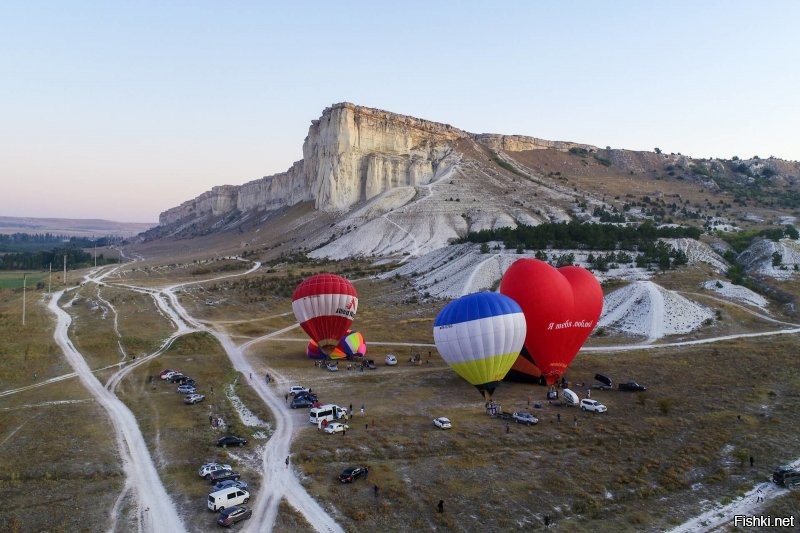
point(484, 248)
point(777, 259)
point(657, 150)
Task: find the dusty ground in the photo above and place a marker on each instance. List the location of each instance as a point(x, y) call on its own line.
point(667, 450)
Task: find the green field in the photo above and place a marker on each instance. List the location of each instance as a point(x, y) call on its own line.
point(13, 280)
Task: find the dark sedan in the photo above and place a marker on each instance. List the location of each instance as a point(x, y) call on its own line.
point(231, 440)
point(231, 515)
point(222, 475)
point(353, 473)
point(632, 386)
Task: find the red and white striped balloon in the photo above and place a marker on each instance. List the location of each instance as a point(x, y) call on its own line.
point(325, 305)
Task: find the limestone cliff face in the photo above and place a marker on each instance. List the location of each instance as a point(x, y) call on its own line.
point(217, 201)
point(354, 153)
point(351, 154)
point(520, 143)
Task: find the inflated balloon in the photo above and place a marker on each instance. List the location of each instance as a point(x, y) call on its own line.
point(325, 305)
point(351, 345)
point(313, 352)
point(561, 308)
point(480, 336)
point(524, 369)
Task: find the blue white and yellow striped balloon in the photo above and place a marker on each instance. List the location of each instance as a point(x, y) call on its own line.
point(480, 336)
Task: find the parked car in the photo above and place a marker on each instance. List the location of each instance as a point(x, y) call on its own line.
point(229, 483)
point(186, 380)
point(370, 364)
point(226, 498)
point(207, 469)
point(603, 382)
point(230, 440)
point(391, 359)
point(631, 386)
point(193, 398)
point(222, 475)
point(237, 513)
point(332, 367)
point(187, 389)
point(295, 389)
point(301, 401)
point(336, 427)
point(167, 374)
point(176, 377)
point(442, 422)
point(306, 394)
point(354, 472)
point(787, 477)
point(521, 417)
point(593, 405)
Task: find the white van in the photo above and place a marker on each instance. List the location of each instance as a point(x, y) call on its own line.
point(222, 499)
point(570, 398)
point(329, 412)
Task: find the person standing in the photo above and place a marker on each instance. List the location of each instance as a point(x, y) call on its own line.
point(440, 507)
point(287, 461)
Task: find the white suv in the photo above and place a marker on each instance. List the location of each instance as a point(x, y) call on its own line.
point(593, 405)
point(295, 389)
point(207, 469)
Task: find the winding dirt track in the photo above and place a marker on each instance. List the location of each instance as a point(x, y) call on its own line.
point(157, 512)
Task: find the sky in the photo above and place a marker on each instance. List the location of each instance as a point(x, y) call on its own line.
point(120, 110)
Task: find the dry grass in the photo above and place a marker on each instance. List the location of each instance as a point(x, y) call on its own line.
point(648, 451)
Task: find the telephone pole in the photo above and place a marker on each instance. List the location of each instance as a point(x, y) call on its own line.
point(65, 270)
point(24, 285)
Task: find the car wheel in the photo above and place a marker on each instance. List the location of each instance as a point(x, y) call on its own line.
point(224, 445)
point(583, 408)
point(207, 477)
point(246, 500)
point(221, 508)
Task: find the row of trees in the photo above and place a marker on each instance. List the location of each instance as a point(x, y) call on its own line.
point(76, 258)
point(580, 236)
point(29, 242)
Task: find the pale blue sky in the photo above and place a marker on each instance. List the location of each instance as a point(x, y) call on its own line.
point(121, 110)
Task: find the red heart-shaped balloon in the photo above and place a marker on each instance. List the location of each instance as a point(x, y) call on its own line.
point(561, 308)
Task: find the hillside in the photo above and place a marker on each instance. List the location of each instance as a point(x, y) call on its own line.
point(383, 184)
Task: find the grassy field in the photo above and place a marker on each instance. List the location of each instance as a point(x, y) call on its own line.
point(13, 280)
point(645, 465)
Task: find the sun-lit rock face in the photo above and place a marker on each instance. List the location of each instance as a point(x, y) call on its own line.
point(354, 153)
point(217, 201)
point(351, 154)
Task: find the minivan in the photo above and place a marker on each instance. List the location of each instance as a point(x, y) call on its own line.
point(222, 499)
point(327, 412)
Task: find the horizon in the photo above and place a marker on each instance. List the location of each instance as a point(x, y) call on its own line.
point(120, 112)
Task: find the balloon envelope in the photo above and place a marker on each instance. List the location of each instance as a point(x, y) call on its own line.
point(561, 308)
point(351, 345)
point(325, 305)
point(480, 336)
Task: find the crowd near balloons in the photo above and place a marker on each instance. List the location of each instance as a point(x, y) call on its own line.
point(531, 330)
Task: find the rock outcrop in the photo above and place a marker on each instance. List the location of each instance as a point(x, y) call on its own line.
point(351, 154)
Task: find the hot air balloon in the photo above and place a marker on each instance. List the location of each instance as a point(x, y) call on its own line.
point(561, 308)
point(325, 305)
point(480, 336)
point(313, 352)
point(351, 345)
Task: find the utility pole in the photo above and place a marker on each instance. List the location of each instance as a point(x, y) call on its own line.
point(50, 278)
point(65, 270)
point(95, 253)
point(24, 285)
